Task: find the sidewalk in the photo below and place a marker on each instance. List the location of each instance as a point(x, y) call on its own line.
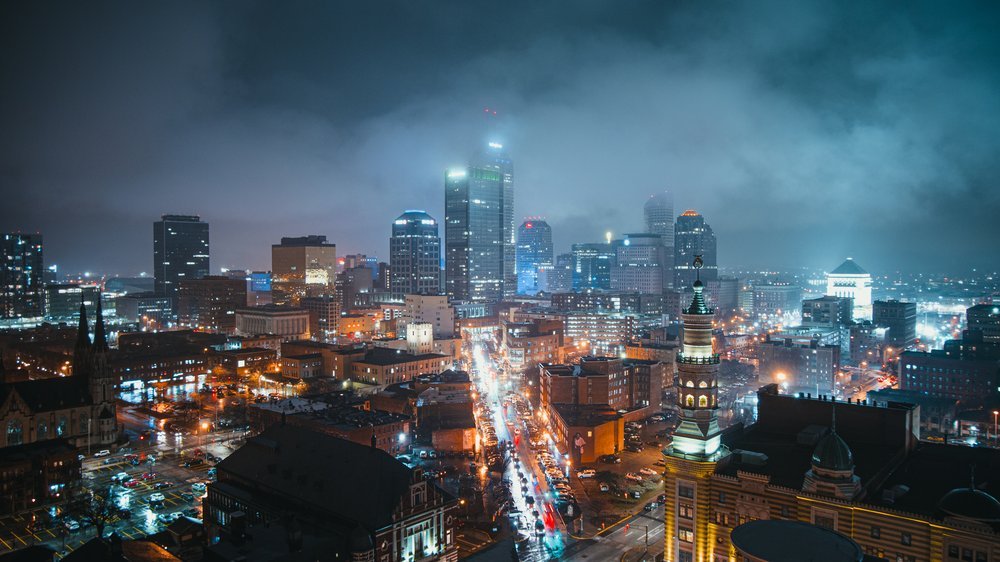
point(641, 554)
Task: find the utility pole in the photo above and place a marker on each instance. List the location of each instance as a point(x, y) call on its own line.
point(647, 536)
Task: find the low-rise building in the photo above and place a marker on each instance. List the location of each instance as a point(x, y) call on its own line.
point(588, 432)
point(380, 366)
point(302, 366)
point(37, 474)
point(800, 367)
point(283, 321)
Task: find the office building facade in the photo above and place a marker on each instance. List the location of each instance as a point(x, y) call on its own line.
point(302, 266)
point(180, 251)
point(592, 264)
point(639, 265)
point(210, 303)
point(21, 265)
point(414, 255)
point(900, 321)
point(534, 251)
point(984, 318)
point(479, 229)
point(659, 214)
point(693, 237)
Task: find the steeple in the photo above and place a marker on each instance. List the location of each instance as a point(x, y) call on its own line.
point(82, 350)
point(698, 434)
point(100, 339)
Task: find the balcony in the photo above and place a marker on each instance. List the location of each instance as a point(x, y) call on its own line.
point(710, 360)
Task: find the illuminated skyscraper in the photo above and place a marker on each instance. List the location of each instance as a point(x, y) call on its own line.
point(180, 251)
point(592, 263)
point(693, 237)
point(534, 250)
point(659, 214)
point(21, 293)
point(302, 266)
point(638, 264)
point(479, 228)
point(414, 255)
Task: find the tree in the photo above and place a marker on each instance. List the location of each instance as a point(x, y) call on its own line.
point(91, 508)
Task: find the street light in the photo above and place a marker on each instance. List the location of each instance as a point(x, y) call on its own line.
point(996, 437)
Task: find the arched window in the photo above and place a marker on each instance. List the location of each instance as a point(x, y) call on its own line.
point(703, 401)
point(689, 384)
point(61, 427)
point(703, 384)
point(14, 433)
point(689, 401)
point(43, 430)
point(713, 401)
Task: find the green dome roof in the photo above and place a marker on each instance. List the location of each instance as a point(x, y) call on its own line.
point(971, 504)
point(832, 453)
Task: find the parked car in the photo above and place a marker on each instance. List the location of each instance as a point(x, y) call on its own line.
point(587, 473)
point(163, 485)
point(121, 477)
point(187, 496)
point(648, 471)
point(148, 475)
point(101, 453)
point(198, 487)
point(604, 487)
point(156, 497)
point(611, 459)
point(131, 483)
point(633, 476)
point(71, 525)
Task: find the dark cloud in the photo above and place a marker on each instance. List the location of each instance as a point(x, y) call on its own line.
point(803, 131)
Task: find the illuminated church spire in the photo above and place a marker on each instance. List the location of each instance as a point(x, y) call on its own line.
point(698, 434)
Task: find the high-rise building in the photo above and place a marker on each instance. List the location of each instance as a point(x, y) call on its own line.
point(306, 265)
point(62, 300)
point(21, 267)
point(180, 251)
point(659, 214)
point(986, 319)
point(723, 294)
point(639, 264)
point(693, 237)
point(799, 366)
point(479, 229)
point(210, 303)
point(414, 255)
point(534, 251)
point(827, 312)
point(900, 321)
point(557, 278)
point(776, 299)
point(849, 280)
point(592, 264)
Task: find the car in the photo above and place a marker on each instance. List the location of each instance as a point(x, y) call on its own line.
point(648, 471)
point(198, 487)
point(604, 487)
point(148, 475)
point(649, 506)
point(192, 512)
point(80, 457)
point(636, 494)
point(71, 525)
point(633, 448)
point(611, 459)
point(101, 453)
point(653, 443)
point(156, 497)
point(212, 472)
point(131, 483)
point(187, 496)
point(633, 476)
point(423, 454)
point(193, 462)
point(163, 485)
point(121, 477)
point(165, 518)
point(587, 473)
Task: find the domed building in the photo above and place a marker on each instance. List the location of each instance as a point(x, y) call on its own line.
point(971, 505)
point(832, 468)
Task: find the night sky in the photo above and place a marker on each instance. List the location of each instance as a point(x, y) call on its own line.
point(804, 132)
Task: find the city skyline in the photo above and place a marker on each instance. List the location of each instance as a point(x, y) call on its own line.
point(848, 144)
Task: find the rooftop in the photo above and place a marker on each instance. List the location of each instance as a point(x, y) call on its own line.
point(307, 467)
point(585, 415)
point(849, 267)
point(792, 541)
point(384, 356)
